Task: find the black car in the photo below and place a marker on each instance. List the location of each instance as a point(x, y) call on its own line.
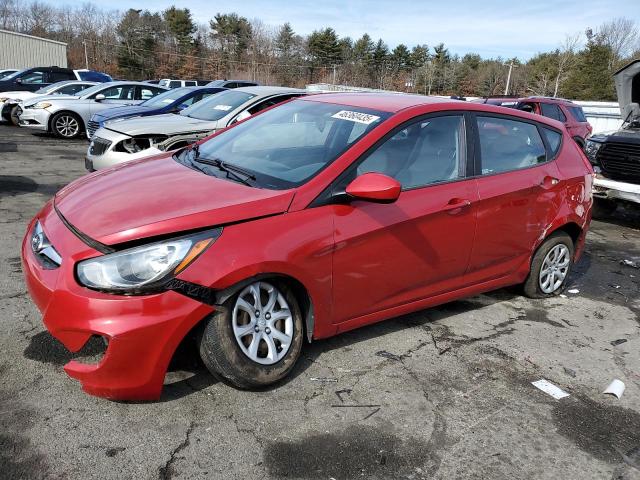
point(616, 156)
point(32, 79)
point(232, 83)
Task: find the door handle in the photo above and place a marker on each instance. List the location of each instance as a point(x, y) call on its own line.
point(456, 204)
point(548, 182)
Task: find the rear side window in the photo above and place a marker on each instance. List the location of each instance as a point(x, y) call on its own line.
point(175, 84)
point(552, 111)
point(553, 139)
point(190, 83)
point(60, 76)
point(508, 145)
point(578, 113)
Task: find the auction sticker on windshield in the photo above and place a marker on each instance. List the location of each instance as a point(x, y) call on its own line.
point(224, 108)
point(357, 117)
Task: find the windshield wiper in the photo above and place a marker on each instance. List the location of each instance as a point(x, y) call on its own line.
point(228, 168)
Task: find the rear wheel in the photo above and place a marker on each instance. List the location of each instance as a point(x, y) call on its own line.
point(67, 125)
point(255, 339)
point(550, 267)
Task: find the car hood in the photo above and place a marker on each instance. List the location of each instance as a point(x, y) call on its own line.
point(168, 124)
point(159, 196)
point(624, 80)
point(51, 98)
point(124, 111)
point(18, 95)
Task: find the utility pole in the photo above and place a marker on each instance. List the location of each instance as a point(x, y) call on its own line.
point(334, 73)
point(86, 59)
point(506, 89)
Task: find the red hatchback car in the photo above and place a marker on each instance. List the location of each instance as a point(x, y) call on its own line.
point(315, 217)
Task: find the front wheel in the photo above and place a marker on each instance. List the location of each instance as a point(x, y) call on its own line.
point(550, 267)
point(66, 125)
point(14, 115)
point(255, 339)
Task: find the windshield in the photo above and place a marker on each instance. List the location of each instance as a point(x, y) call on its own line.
point(52, 87)
point(165, 98)
point(286, 146)
point(217, 106)
point(216, 83)
point(13, 75)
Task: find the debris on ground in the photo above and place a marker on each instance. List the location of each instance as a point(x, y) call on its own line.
point(615, 388)
point(340, 393)
point(550, 389)
point(629, 263)
point(392, 356)
point(569, 371)
point(573, 290)
point(618, 341)
point(324, 379)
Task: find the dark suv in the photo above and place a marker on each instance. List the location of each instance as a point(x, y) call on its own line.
point(616, 155)
point(33, 79)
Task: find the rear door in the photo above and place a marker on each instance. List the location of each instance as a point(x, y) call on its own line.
point(392, 254)
point(518, 187)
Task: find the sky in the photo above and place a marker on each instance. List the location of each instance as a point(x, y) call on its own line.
point(506, 28)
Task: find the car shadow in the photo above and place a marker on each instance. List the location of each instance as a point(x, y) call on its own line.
point(626, 215)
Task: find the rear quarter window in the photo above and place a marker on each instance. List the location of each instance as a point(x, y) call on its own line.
point(554, 139)
point(577, 113)
point(507, 145)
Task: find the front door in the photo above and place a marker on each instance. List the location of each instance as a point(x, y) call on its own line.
point(391, 254)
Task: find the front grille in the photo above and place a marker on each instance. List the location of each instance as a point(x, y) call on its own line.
point(99, 146)
point(92, 127)
point(620, 161)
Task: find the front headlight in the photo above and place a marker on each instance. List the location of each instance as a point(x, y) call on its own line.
point(145, 268)
point(591, 150)
point(41, 105)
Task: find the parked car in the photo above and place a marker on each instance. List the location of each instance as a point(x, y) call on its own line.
point(318, 216)
point(232, 83)
point(565, 111)
point(7, 71)
point(32, 79)
point(616, 155)
point(171, 101)
point(67, 116)
point(9, 101)
point(129, 139)
point(171, 83)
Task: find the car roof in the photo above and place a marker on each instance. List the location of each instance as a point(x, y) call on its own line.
point(115, 83)
point(386, 102)
point(541, 99)
point(264, 91)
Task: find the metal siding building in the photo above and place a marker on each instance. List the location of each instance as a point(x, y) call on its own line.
point(18, 50)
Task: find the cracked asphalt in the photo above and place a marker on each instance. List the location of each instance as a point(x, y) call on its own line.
point(443, 393)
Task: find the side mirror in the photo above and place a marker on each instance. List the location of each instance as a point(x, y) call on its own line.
point(374, 187)
point(99, 97)
point(18, 80)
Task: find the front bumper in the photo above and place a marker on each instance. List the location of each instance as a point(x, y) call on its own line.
point(613, 189)
point(142, 331)
point(36, 118)
point(101, 153)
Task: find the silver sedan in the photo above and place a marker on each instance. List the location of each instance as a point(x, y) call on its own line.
point(132, 138)
point(67, 116)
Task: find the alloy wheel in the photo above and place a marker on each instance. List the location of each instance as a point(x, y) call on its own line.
point(67, 126)
point(262, 323)
point(554, 268)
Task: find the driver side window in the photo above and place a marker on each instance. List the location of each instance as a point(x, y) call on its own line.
point(428, 151)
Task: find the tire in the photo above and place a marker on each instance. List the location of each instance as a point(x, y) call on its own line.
point(603, 207)
point(539, 285)
point(67, 125)
point(253, 365)
point(13, 115)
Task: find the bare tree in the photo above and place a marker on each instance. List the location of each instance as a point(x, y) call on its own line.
point(566, 55)
point(620, 35)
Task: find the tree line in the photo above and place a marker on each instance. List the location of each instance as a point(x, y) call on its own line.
point(145, 44)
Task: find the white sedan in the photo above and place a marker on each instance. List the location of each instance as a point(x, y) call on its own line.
point(67, 116)
point(9, 101)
